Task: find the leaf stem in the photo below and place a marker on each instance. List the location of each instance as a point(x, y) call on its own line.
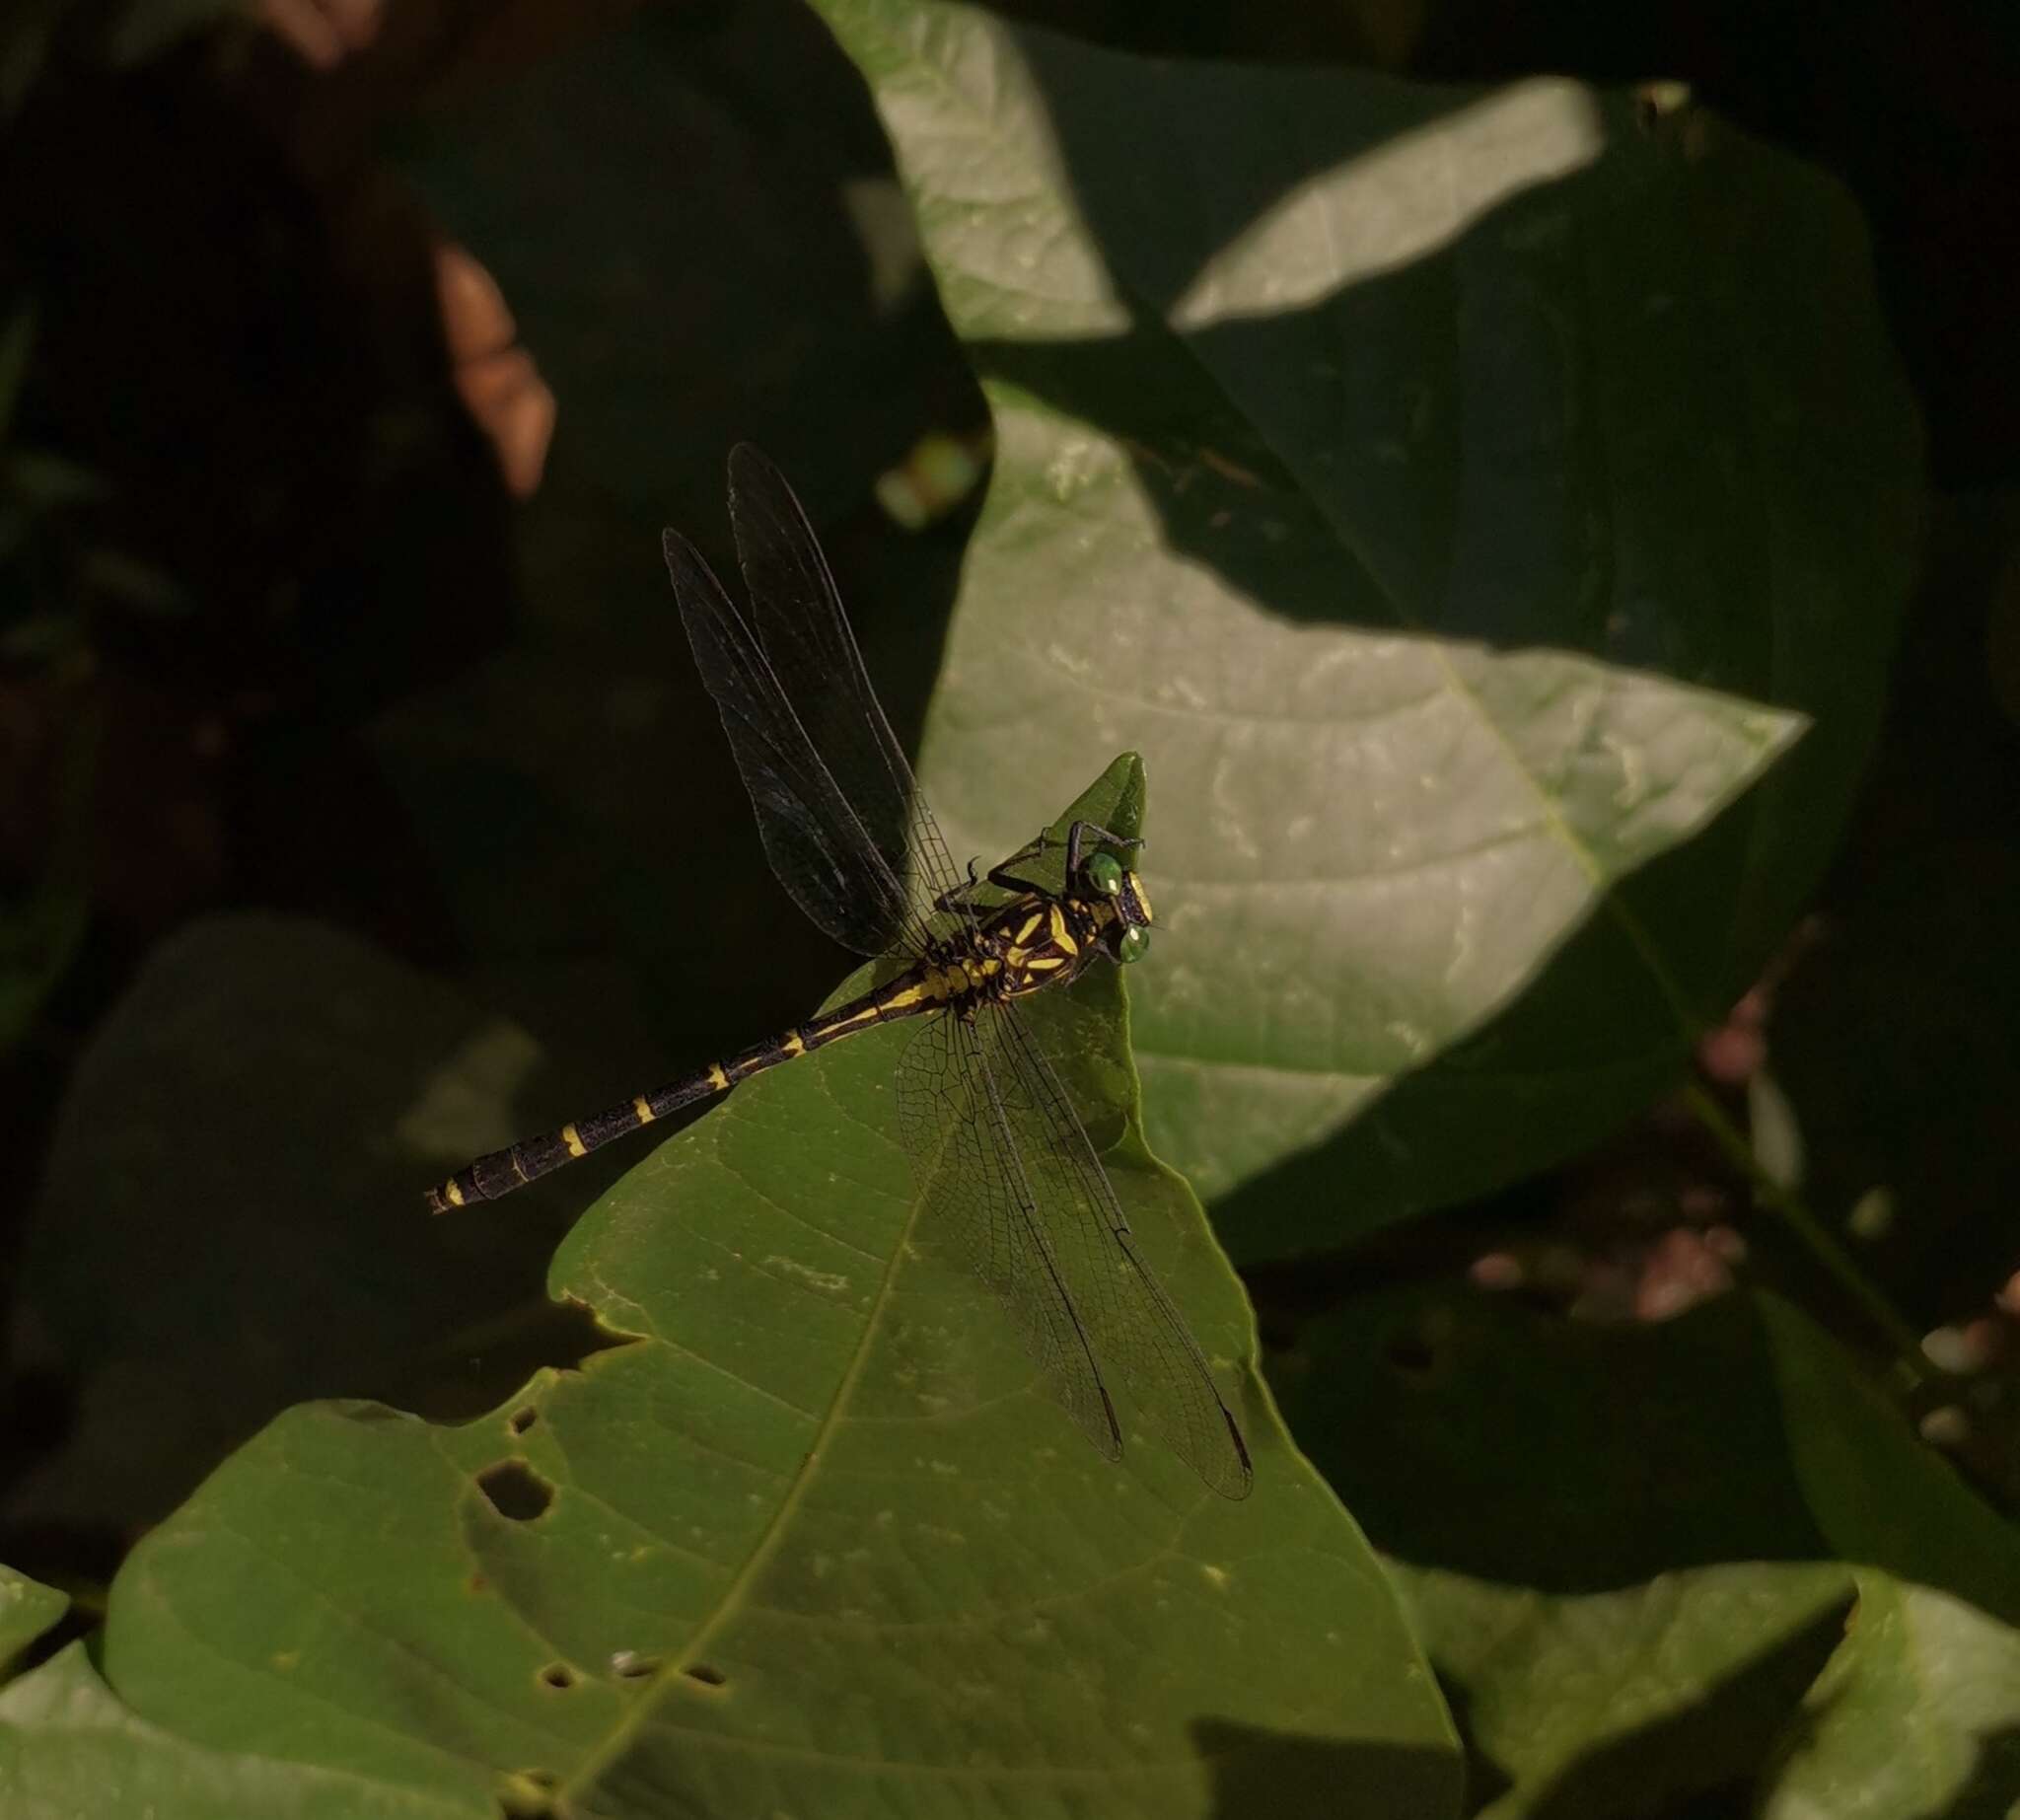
point(1906, 1343)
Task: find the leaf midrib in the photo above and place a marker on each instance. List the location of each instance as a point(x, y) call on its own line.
point(762, 1552)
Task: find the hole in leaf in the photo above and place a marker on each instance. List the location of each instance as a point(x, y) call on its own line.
point(559, 1675)
point(701, 1672)
point(631, 1665)
point(522, 1420)
point(515, 1491)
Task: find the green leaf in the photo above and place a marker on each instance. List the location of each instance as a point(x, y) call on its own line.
point(236, 1176)
point(67, 1746)
point(1607, 1455)
point(1462, 498)
point(1918, 1713)
point(26, 1609)
point(1791, 1691)
point(1879, 1494)
point(817, 1541)
point(1628, 1702)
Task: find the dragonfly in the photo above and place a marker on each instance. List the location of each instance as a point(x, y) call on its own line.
point(996, 1148)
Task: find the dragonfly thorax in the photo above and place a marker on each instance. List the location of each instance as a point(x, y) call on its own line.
point(1040, 941)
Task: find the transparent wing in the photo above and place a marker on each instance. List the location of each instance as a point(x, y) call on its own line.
point(952, 1120)
point(817, 840)
point(807, 638)
point(1136, 1328)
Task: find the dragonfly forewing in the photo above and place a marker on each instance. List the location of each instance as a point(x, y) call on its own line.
point(971, 1180)
point(1137, 1333)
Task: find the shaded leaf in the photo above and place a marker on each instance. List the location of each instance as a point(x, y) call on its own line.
point(230, 1218)
point(26, 1609)
point(1792, 1691)
point(1607, 1455)
point(1918, 1713)
point(67, 1746)
point(1630, 1702)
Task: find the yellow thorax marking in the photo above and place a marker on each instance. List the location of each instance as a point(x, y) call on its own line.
point(643, 1107)
point(1136, 884)
point(793, 1046)
point(1044, 963)
point(1030, 928)
point(1061, 938)
point(716, 1078)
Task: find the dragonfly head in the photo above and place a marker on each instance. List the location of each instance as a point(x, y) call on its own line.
point(1128, 933)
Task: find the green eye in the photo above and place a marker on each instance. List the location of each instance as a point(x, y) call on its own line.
point(1105, 873)
point(1133, 945)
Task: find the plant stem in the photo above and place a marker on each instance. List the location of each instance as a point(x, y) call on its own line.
point(1906, 1343)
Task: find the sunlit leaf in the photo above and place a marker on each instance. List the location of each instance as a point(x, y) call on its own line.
point(1462, 498)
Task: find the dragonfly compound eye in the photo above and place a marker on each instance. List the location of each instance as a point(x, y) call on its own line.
point(1132, 944)
point(1104, 873)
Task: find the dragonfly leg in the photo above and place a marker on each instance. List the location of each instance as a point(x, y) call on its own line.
point(1004, 878)
point(958, 894)
point(999, 876)
point(1080, 831)
point(1008, 880)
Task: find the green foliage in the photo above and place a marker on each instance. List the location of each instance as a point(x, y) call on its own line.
point(1738, 1431)
point(1784, 1691)
point(1292, 416)
point(1489, 515)
point(789, 1546)
point(27, 1609)
point(68, 1746)
point(1600, 1646)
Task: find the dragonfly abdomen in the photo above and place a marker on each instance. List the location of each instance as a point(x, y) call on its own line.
point(502, 1171)
point(920, 990)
